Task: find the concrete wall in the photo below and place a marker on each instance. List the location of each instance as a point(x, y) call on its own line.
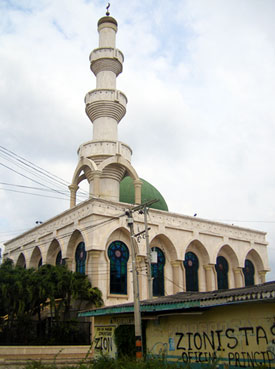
point(18, 356)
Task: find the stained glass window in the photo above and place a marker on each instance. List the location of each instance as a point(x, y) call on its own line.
point(249, 272)
point(157, 273)
point(118, 254)
point(222, 272)
point(58, 260)
point(191, 265)
point(80, 258)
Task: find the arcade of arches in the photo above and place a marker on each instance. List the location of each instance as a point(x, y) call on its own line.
point(186, 260)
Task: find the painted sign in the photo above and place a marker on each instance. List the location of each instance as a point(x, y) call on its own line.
point(104, 342)
point(243, 346)
point(235, 343)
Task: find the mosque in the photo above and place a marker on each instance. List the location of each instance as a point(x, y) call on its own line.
point(93, 237)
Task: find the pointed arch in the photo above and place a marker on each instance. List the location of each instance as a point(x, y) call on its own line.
point(252, 267)
point(166, 243)
point(231, 256)
point(162, 271)
point(82, 164)
point(255, 257)
point(36, 258)
point(54, 250)
point(77, 237)
point(21, 261)
point(118, 159)
point(196, 256)
point(121, 234)
point(198, 248)
point(226, 262)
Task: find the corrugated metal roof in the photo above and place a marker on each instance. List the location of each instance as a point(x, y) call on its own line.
point(188, 300)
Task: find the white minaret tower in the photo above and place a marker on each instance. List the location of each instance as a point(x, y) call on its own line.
point(104, 161)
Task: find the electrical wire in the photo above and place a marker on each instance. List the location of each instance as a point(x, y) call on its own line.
point(34, 194)
point(36, 167)
point(22, 186)
point(31, 179)
point(35, 170)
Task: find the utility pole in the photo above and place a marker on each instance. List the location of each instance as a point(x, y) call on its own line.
point(148, 252)
point(137, 314)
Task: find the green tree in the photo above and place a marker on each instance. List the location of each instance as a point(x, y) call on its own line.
point(26, 293)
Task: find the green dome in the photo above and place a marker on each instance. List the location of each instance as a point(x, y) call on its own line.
point(148, 192)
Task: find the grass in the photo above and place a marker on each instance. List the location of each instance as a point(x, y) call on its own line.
point(105, 362)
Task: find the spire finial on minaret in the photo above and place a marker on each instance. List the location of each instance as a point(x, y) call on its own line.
point(107, 8)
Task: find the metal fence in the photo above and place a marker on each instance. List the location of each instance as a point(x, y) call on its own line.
point(45, 332)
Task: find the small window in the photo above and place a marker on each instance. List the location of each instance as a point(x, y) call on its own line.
point(157, 273)
point(80, 258)
point(118, 254)
point(222, 273)
point(249, 272)
point(191, 265)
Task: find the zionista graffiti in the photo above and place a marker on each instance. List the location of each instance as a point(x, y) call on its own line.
point(241, 347)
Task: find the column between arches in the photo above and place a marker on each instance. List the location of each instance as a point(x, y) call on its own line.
point(177, 271)
point(210, 277)
point(93, 266)
point(238, 277)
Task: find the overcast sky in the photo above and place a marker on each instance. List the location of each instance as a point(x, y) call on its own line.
point(200, 80)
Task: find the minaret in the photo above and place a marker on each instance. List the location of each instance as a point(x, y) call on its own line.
point(106, 106)
point(104, 161)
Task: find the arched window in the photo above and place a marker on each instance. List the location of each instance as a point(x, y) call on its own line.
point(58, 260)
point(222, 272)
point(248, 272)
point(191, 265)
point(157, 273)
point(80, 258)
point(118, 254)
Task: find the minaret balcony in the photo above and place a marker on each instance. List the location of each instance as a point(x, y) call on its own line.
point(105, 103)
point(106, 95)
point(101, 148)
point(106, 59)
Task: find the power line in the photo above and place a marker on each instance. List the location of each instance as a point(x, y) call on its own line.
point(35, 169)
point(32, 188)
point(34, 194)
point(31, 179)
point(32, 165)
